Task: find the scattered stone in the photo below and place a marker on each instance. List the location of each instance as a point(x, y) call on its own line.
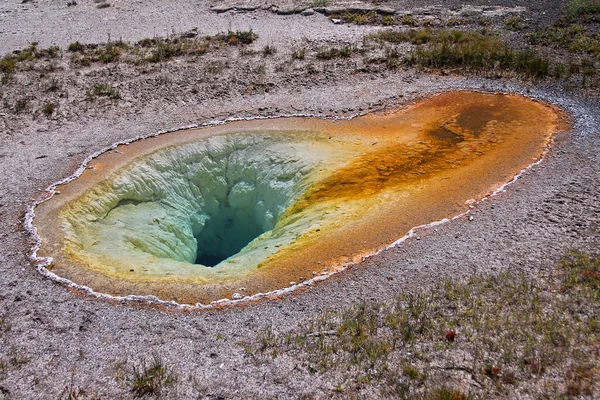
point(335, 10)
point(470, 218)
point(360, 8)
point(236, 296)
point(189, 34)
point(385, 10)
point(221, 8)
point(284, 10)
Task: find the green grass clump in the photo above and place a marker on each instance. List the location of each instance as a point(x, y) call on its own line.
point(165, 49)
point(150, 379)
point(466, 50)
point(582, 273)
point(445, 393)
point(409, 20)
point(584, 10)
point(8, 64)
point(103, 90)
point(334, 52)
point(48, 108)
point(358, 17)
point(236, 38)
point(75, 46)
point(514, 23)
point(269, 50)
point(21, 105)
point(574, 38)
point(299, 54)
point(388, 20)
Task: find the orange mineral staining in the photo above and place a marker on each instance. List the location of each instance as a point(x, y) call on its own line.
point(310, 195)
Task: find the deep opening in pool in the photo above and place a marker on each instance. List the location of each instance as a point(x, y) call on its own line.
point(226, 233)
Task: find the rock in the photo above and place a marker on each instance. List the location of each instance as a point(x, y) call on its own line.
point(247, 7)
point(335, 10)
point(320, 10)
point(307, 12)
point(285, 10)
point(236, 296)
point(470, 218)
point(362, 8)
point(385, 10)
point(336, 21)
point(221, 8)
point(189, 35)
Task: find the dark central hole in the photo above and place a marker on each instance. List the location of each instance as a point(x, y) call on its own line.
point(225, 233)
point(209, 260)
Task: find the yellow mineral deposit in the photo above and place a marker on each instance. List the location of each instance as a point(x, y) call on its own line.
point(249, 207)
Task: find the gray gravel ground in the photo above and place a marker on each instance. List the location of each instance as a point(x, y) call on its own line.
point(58, 338)
point(51, 23)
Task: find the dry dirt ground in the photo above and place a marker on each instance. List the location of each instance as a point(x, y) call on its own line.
point(53, 338)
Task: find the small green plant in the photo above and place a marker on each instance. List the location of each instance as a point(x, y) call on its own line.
point(237, 37)
point(103, 90)
point(269, 50)
point(80, 61)
point(410, 371)
point(299, 54)
point(48, 108)
point(8, 64)
point(334, 52)
point(150, 379)
point(327, 54)
point(445, 393)
point(388, 20)
point(428, 22)
point(21, 105)
point(408, 20)
point(514, 23)
point(165, 49)
point(75, 46)
point(320, 3)
point(73, 392)
point(392, 57)
point(455, 21)
point(585, 10)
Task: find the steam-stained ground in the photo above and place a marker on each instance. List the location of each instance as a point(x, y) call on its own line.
point(56, 342)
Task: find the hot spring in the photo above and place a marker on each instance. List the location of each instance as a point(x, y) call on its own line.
point(250, 207)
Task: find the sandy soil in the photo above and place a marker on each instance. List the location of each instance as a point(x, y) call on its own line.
point(53, 338)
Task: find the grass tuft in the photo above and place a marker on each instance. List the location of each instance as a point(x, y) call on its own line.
point(150, 378)
point(466, 50)
point(49, 108)
point(103, 90)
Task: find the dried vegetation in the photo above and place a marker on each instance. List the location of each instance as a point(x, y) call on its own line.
point(487, 337)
